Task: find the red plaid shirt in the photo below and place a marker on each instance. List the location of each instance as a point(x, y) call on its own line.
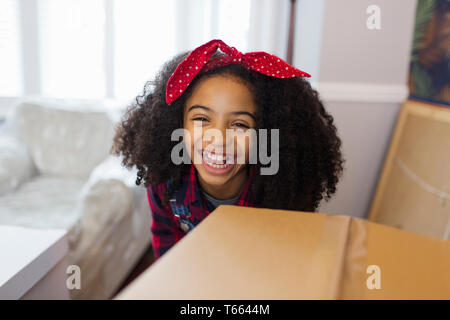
point(166, 228)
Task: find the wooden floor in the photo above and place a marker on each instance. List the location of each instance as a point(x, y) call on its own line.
point(146, 260)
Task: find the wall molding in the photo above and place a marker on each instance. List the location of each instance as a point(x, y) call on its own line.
point(329, 92)
point(361, 92)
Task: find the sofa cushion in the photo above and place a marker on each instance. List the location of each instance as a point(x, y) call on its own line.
point(64, 139)
point(15, 164)
point(43, 202)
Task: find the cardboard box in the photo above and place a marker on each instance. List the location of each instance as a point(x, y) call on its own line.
point(251, 253)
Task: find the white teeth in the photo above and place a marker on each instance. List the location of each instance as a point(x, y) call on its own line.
point(212, 159)
point(218, 165)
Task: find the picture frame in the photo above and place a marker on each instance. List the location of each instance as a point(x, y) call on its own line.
point(413, 191)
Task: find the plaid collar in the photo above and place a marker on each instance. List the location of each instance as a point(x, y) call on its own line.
point(190, 194)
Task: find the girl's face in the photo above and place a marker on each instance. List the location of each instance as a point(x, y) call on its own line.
point(221, 103)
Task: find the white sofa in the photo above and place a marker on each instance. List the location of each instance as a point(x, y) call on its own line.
point(56, 172)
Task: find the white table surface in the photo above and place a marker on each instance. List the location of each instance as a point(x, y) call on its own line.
point(27, 255)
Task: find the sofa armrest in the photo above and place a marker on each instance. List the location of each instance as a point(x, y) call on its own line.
point(105, 199)
point(16, 165)
point(114, 228)
point(111, 168)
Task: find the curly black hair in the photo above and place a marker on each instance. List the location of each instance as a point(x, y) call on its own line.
point(310, 161)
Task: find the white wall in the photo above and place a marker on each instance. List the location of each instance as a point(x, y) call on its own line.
point(353, 53)
point(362, 77)
point(365, 129)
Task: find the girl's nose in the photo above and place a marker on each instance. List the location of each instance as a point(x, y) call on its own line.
point(224, 141)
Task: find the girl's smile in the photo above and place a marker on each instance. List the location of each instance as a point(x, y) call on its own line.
point(217, 163)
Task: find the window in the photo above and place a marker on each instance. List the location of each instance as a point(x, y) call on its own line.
point(144, 38)
point(92, 49)
point(10, 49)
point(233, 25)
point(72, 40)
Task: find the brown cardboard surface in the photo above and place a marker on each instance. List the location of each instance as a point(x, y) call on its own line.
point(412, 266)
point(251, 253)
point(416, 173)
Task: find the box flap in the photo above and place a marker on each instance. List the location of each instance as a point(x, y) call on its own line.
point(412, 266)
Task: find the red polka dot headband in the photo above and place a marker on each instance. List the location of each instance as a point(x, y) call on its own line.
point(198, 61)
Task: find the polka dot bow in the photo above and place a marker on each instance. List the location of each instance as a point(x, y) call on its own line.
point(198, 61)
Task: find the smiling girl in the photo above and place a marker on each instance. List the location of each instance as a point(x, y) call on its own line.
point(224, 92)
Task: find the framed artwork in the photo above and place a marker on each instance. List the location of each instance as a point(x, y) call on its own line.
point(429, 73)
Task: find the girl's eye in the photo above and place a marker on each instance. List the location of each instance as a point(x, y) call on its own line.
point(200, 119)
point(241, 125)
